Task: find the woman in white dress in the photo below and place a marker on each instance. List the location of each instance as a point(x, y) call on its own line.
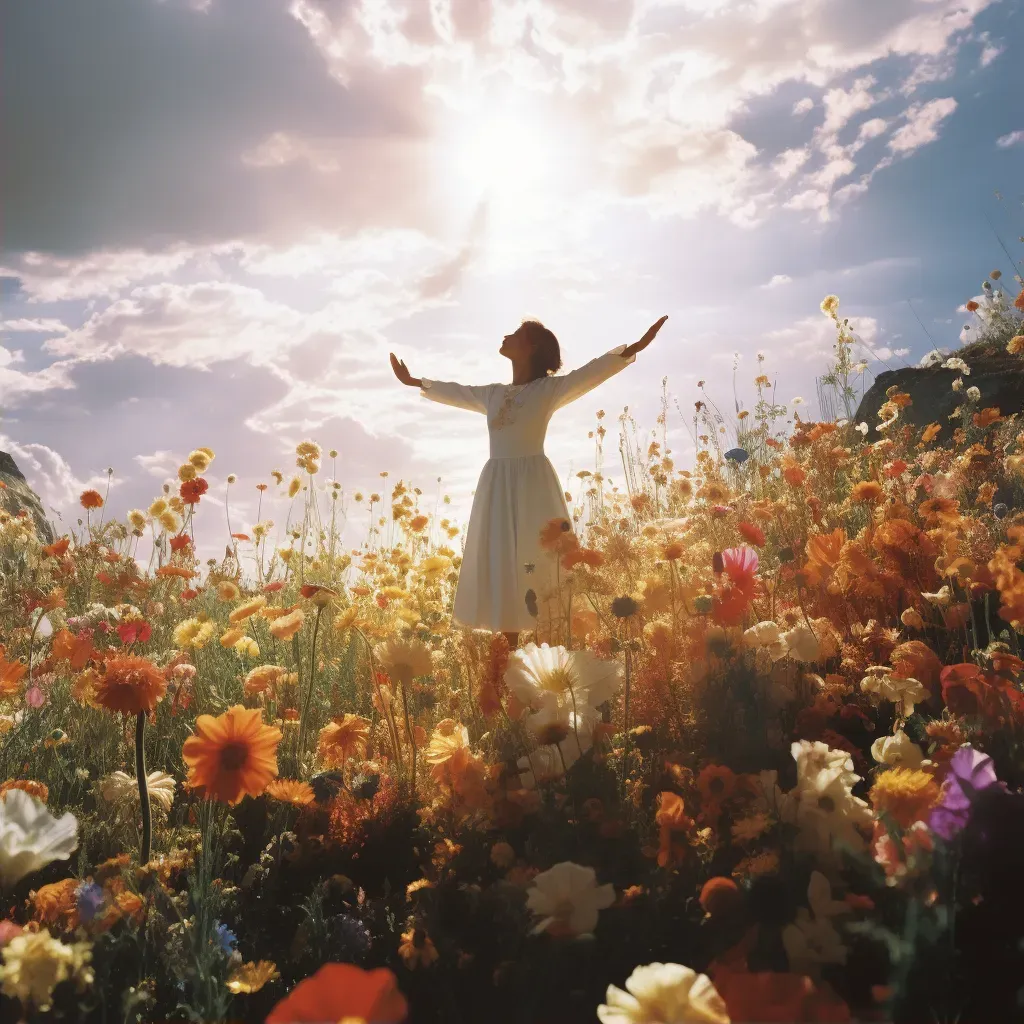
point(519, 490)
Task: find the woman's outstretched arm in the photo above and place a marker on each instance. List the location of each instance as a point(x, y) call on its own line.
point(463, 396)
point(578, 382)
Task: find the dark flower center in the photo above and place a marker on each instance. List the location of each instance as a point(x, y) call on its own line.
point(233, 756)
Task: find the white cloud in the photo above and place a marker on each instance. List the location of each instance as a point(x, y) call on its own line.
point(922, 125)
point(778, 279)
point(49, 474)
point(803, 106)
point(1010, 139)
point(990, 50)
point(789, 161)
point(842, 104)
point(34, 325)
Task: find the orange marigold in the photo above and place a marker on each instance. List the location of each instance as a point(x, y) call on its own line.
point(37, 789)
point(986, 417)
point(129, 685)
point(869, 491)
point(291, 791)
point(905, 794)
point(57, 903)
point(343, 738)
point(233, 755)
point(91, 499)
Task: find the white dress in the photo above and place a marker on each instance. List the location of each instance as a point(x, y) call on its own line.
point(517, 494)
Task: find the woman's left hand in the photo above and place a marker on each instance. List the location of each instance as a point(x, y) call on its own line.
point(639, 346)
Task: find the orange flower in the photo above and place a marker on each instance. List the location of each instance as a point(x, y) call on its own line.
point(192, 490)
point(1018, 302)
point(341, 992)
point(720, 896)
point(905, 794)
point(986, 417)
point(91, 499)
point(57, 548)
point(176, 570)
point(751, 533)
point(284, 627)
point(824, 551)
point(57, 903)
point(716, 784)
point(129, 685)
point(672, 551)
point(916, 660)
point(557, 535)
point(343, 738)
point(931, 432)
point(767, 996)
point(673, 823)
point(11, 674)
point(793, 474)
point(895, 468)
point(233, 755)
point(37, 789)
point(291, 791)
point(939, 509)
point(76, 650)
point(869, 491)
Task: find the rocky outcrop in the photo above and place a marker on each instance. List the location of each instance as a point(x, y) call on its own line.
point(998, 375)
point(15, 495)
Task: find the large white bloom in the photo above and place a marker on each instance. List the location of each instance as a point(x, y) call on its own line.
point(31, 837)
point(897, 750)
point(121, 788)
point(801, 643)
point(404, 660)
point(567, 899)
point(535, 671)
point(825, 809)
point(664, 994)
point(818, 766)
point(766, 636)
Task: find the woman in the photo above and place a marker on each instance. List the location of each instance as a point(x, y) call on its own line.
point(519, 490)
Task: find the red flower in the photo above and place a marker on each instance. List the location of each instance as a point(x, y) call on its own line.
point(963, 688)
point(134, 632)
point(57, 548)
point(192, 490)
point(343, 991)
point(273, 588)
point(740, 565)
point(91, 499)
point(751, 533)
point(180, 542)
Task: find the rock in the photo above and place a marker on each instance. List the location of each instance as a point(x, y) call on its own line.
point(15, 495)
point(998, 375)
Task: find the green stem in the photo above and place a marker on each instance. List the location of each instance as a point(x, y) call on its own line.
point(408, 729)
point(140, 775)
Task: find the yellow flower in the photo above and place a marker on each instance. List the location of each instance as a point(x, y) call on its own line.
point(158, 508)
point(170, 520)
point(905, 794)
point(34, 963)
point(308, 450)
point(343, 620)
point(1015, 346)
point(286, 626)
point(228, 591)
point(404, 659)
point(247, 647)
point(830, 305)
point(187, 472)
point(231, 637)
point(250, 607)
point(137, 518)
point(294, 487)
point(201, 458)
point(192, 633)
point(262, 679)
point(291, 791)
point(251, 977)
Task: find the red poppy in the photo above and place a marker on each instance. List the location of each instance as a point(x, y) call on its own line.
point(273, 588)
point(192, 490)
point(180, 542)
point(340, 991)
point(189, 594)
point(751, 533)
point(57, 548)
point(240, 536)
point(134, 632)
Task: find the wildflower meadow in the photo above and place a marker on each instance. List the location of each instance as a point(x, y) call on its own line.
point(761, 758)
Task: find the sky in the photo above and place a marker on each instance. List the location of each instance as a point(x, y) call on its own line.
point(222, 215)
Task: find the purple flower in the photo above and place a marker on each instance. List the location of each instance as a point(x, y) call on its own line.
point(969, 771)
point(90, 898)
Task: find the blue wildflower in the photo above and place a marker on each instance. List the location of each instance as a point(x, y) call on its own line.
point(90, 898)
point(227, 938)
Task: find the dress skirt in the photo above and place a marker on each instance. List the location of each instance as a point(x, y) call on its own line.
point(503, 557)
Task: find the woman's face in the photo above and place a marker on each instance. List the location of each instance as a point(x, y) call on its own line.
point(516, 345)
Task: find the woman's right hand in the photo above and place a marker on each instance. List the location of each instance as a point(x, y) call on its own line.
point(402, 372)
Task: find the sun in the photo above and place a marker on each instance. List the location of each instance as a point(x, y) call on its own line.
point(504, 156)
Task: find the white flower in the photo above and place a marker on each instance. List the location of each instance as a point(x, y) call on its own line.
point(958, 364)
point(771, 799)
point(535, 671)
point(567, 899)
point(819, 896)
point(811, 942)
point(31, 837)
point(862, 428)
point(796, 401)
point(749, 828)
point(818, 766)
point(973, 393)
point(766, 635)
point(897, 750)
point(940, 598)
point(801, 643)
point(120, 788)
point(404, 660)
point(904, 693)
point(664, 994)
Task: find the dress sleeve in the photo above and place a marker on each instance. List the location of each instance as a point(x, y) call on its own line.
point(463, 396)
point(578, 382)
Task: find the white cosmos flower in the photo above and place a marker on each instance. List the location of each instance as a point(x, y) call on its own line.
point(801, 643)
point(535, 671)
point(120, 788)
point(567, 899)
point(664, 994)
point(811, 942)
point(818, 766)
point(897, 750)
point(956, 363)
point(31, 837)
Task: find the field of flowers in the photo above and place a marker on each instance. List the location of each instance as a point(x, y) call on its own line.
point(761, 760)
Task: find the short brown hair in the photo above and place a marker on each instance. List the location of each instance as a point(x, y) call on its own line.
point(547, 356)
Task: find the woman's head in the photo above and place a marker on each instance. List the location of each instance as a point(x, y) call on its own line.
point(532, 339)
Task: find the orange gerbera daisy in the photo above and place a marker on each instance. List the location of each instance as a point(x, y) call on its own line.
point(291, 791)
point(129, 685)
point(716, 783)
point(57, 904)
point(91, 499)
point(233, 755)
point(343, 738)
point(339, 992)
point(868, 491)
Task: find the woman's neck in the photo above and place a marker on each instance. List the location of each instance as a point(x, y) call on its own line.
point(522, 373)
